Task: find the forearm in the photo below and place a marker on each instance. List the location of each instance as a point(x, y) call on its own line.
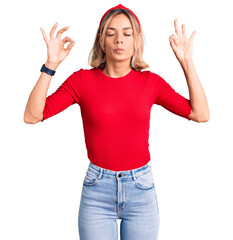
point(36, 101)
point(197, 96)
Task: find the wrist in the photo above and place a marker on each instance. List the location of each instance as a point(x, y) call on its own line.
point(52, 66)
point(186, 63)
point(186, 60)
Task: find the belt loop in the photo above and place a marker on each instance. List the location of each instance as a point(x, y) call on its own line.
point(132, 171)
point(100, 174)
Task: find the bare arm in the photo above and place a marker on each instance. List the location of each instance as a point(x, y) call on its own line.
point(56, 54)
point(183, 47)
point(200, 109)
point(34, 109)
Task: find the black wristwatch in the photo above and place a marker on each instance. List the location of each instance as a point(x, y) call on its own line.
point(47, 70)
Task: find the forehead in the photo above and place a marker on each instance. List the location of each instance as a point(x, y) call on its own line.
point(124, 28)
point(120, 21)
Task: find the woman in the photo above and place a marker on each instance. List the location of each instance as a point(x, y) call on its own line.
point(115, 98)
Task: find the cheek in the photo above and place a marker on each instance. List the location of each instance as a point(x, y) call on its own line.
point(131, 46)
point(131, 42)
point(107, 42)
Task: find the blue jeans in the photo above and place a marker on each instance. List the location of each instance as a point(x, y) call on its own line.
point(110, 195)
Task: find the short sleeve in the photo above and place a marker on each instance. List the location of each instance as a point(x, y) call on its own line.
point(68, 93)
point(171, 100)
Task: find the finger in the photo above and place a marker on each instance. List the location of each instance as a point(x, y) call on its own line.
point(171, 40)
point(192, 36)
point(184, 30)
point(69, 47)
point(44, 35)
point(67, 39)
point(172, 43)
point(53, 30)
point(174, 38)
point(59, 33)
point(177, 28)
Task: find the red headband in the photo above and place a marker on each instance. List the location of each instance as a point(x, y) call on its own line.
point(119, 6)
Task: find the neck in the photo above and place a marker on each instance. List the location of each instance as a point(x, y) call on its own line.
point(113, 71)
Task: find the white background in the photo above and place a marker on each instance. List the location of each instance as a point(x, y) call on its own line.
point(43, 165)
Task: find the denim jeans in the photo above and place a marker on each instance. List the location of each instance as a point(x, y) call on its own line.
point(110, 195)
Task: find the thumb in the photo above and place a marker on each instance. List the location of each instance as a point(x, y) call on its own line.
point(69, 47)
point(172, 42)
point(192, 36)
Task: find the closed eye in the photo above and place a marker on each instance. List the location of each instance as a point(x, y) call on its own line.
point(124, 34)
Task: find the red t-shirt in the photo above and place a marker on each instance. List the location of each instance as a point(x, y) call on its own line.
point(116, 113)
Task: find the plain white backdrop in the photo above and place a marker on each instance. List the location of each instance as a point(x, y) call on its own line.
point(42, 165)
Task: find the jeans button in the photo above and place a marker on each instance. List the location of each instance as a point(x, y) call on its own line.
point(119, 175)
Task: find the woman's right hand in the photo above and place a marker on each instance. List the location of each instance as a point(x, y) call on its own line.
point(55, 46)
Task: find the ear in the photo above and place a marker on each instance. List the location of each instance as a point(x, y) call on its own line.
point(99, 36)
point(100, 39)
point(101, 42)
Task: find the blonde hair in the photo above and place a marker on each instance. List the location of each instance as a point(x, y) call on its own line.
point(97, 57)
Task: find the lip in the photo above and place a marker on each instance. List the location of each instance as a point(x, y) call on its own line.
point(118, 49)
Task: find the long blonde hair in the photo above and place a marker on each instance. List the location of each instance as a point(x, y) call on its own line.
point(97, 57)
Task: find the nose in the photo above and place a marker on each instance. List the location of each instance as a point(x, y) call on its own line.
point(119, 40)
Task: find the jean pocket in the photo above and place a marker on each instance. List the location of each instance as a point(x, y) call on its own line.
point(91, 177)
point(145, 181)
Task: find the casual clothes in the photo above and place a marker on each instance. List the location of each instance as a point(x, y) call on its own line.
point(116, 113)
point(110, 195)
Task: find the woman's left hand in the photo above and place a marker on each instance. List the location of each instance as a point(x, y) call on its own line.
point(181, 45)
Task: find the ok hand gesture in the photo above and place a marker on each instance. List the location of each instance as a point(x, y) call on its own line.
point(55, 46)
point(181, 45)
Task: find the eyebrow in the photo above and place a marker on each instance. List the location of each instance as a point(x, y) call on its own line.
point(122, 28)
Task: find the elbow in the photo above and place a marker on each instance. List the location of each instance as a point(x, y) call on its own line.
point(203, 118)
point(199, 117)
point(30, 119)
